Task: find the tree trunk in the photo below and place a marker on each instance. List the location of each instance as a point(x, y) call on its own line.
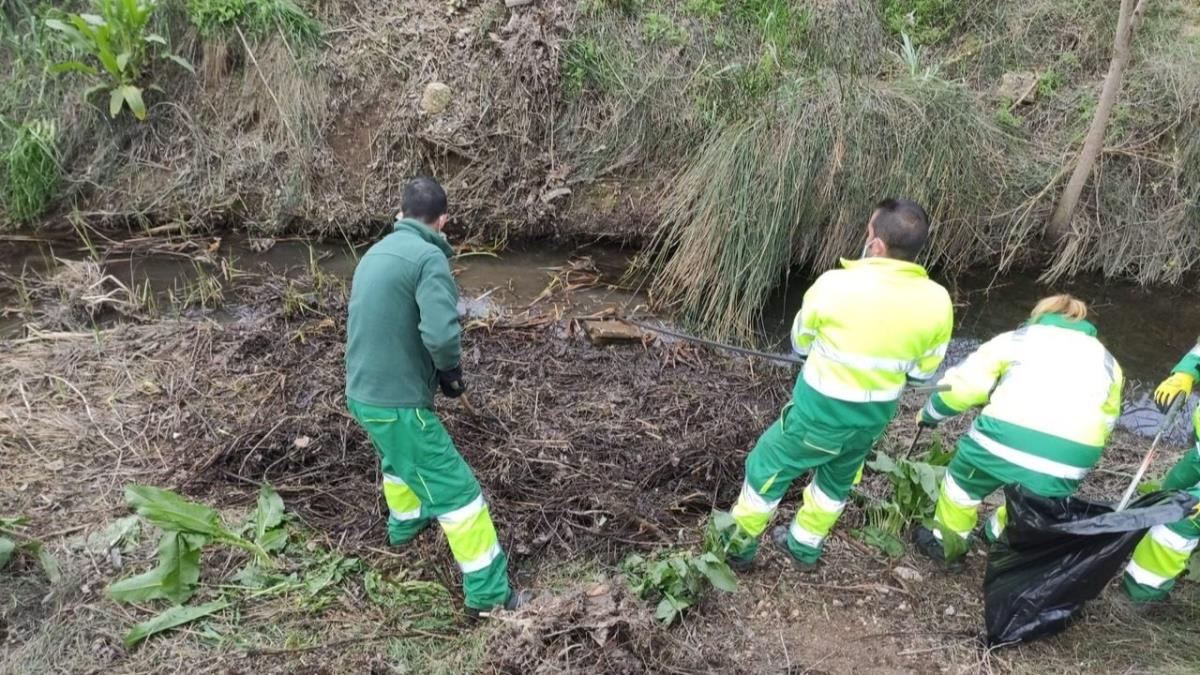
point(1060, 221)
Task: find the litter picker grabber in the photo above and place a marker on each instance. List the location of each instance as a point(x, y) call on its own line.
point(916, 439)
point(1167, 423)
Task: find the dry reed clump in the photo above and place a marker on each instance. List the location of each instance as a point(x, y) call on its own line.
point(796, 184)
point(1141, 213)
point(79, 293)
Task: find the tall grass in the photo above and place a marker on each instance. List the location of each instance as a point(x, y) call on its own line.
point(31, 170)
point(796, 184)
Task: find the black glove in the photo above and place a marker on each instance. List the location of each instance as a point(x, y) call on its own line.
point(451, 382)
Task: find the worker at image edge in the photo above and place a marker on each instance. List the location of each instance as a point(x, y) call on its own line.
point(1162, 554)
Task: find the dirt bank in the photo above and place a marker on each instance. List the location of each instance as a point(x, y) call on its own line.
point(602, 118)
point(587, 454)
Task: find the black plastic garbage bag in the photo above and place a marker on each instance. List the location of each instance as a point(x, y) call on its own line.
point(1056, 554)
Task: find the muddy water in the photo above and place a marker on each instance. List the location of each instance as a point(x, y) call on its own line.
point(1147, 330)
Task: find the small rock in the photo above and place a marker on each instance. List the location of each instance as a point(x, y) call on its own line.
point(903, 607)
point(836, 603)
point(949, 611)
point(795, 613)
point(908, 574)
point(1017, 87)
point(436, 98)
point(302, 442)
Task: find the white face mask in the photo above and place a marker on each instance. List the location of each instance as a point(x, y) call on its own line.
point(866, 252)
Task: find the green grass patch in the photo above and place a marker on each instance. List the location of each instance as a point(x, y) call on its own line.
point(31, 170)
point(658, 27)
point(781, 24)
point(586, 65)
point(1048, 82)
point(256, 17)
point(926, 21)
point(708, 9)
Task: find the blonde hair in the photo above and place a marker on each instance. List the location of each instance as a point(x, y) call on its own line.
point(1067, 305)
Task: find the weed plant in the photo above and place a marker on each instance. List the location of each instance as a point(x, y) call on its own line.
point(118, 39)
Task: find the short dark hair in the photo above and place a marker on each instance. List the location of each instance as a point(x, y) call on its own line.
point(903, 225)
point(423, 200)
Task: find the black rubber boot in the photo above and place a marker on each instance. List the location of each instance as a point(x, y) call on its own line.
point(931, 547)
point(779, 537)
point(739, 564)
point(516, 600)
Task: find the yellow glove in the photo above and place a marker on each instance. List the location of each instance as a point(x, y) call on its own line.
point(1178, 384)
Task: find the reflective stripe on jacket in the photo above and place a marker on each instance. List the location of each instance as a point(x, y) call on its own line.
point(869, 327)
point(1053, 395)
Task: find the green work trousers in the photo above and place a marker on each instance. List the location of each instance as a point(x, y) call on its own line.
point(1162, 555)
point(786, 450)
point(425, 477)
point(964, 488)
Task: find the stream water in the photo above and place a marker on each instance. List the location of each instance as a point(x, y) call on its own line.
point(1146, 329)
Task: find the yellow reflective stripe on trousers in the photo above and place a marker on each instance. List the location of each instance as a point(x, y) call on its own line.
point(471, 535)
point(1144, 576)
point(955, 509)
point(1168, 539)
point(751, 511)
point(932, 411)
point(957, 494)
point(402, 502)
point(816, 517)
point(1026, 460)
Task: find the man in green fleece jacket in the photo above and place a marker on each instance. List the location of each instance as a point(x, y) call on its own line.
point(403, 342)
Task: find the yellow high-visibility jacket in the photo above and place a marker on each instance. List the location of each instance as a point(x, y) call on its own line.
point(866, 330)
point(1052, 394)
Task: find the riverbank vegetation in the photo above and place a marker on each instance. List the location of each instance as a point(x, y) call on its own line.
point(737, 138)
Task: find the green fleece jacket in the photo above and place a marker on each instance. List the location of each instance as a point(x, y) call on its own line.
point(403, 325)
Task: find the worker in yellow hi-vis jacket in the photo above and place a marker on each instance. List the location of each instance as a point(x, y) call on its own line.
point(866, 329)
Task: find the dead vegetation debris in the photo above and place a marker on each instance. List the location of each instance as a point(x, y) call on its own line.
point(586, 453)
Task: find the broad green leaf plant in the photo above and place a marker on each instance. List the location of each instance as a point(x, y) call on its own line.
point(33, 547)
point(118, 39)
point(679, 579)
point(187, 528)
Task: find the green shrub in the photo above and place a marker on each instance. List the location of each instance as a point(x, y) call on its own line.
point(1049, 82)
point(120, 41)
point(927, 21)
point(32, 171)
point(256, 17)
point(678, 579)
